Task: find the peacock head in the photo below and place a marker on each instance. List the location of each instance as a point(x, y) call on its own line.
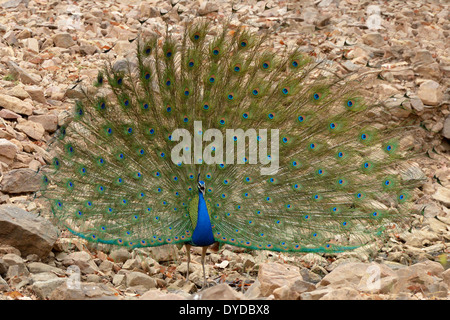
point(201, 186)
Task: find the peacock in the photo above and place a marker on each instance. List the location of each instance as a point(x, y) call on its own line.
point(215, 136)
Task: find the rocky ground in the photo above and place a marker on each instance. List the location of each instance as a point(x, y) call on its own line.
point(47, 47)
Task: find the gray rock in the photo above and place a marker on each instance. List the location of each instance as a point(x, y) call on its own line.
point(430, 93)
point(39, 267)
point(12, 259)
point(18, 92)
point(88, 50)
point(361, 276)
point(43, 289)
point(446, 129)
point(374, 39)
point(119, 279)
point(106, 266)
point(131, 264)
point(423, 56)
point(48, 121)
point(417, 104)
point(94, 278)
point(36, 93)
point(25, 231)
point(81, 259)
point(43, 276)
point(140, 279)
point(17, 270)
point(168, 252)
point(9, 115)
point(20, 181)
point(63, 40)
point(120, 255)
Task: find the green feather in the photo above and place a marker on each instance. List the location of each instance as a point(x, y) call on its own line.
point(338, 185)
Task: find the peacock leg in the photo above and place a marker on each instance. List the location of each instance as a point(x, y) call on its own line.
point(188, 252)
point(203, 264)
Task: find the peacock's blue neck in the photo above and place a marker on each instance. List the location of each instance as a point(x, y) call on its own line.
point(202, 235)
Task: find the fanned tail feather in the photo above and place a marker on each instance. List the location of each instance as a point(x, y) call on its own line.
point(336, 187)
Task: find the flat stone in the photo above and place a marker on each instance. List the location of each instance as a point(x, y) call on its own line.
point(43, 276)
point(15, 104)
point(8, 151)
point(25, 231)
point(43, 289)
point(120, 255)
point(82, 260)
point(32, 129)
point(18, 92)
point(446, 128)
point(138, 278)
point(168, 252)
point(106, 266)
point(12, 259)
point(430, 93)
point(48, 121)
point(374, 39)
point(17, 271)
point(63, 40)
point(417, 104)
point(363, 276)
point(446, 277)
point(20, 181)
point(9, 115)
point(442, 194)
point(36, 93)
point(39, 267)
